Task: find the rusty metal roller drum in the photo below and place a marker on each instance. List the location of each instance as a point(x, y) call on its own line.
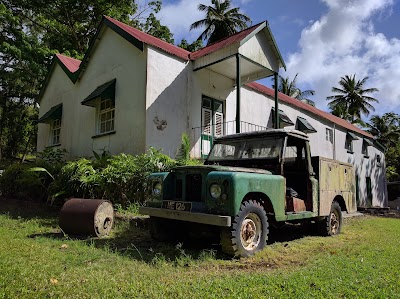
point(81, 216)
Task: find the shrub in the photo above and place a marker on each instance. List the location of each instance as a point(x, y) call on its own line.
point(75, 179)
point(122, 179)
point(18, 181)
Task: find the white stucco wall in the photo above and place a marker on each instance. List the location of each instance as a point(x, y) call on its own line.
point(113, 57)
point(213, 85)
point(167, 101)
point(256, 108)
point(59, 90)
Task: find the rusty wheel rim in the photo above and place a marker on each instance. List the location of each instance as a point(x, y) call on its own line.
point(334, 221)
point(250, 231)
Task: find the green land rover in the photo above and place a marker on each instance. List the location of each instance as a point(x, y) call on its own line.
point(249, 181)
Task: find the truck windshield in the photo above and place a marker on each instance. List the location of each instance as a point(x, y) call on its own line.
point(269, 147)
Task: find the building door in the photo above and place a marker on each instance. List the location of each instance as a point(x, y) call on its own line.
point(369, 191)
point(212, 123)
point(357, 192)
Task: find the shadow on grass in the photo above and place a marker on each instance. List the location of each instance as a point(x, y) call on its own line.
point(46, 215)
point(290, 232)
point(132, 240)
point(135, 242)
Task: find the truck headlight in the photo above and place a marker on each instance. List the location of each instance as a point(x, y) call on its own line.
point(215, 191)
point(157, 189)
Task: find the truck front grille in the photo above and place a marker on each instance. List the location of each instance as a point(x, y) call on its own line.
point(193, 187)
point(178, 189)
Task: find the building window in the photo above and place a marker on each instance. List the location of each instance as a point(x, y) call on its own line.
point(55, 131)
point(378, 160)
point(365, 149)
point(369, 191)
point(212, 120)
point(349, 141)
point(284, 120)
point(329, 135)
point(103, 99)
point(106, 116)
point(349, 144)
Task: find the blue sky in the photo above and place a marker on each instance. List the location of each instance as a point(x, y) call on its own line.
point(322, 40)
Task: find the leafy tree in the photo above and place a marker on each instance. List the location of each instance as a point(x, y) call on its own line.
point(196, 45)
point(154, 28)
point(352, 100)
point(386, 129)
point(220, 21)
point(288, 87)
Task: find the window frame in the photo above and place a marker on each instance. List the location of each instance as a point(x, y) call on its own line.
point(329, 136)
point(364, 149)
point(348, 145)
point(55, 132)
point(378, 160)
point(105, 111)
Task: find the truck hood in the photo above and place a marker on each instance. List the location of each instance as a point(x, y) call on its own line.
point(209, 168)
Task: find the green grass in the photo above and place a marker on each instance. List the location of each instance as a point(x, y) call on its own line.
point(38, 261)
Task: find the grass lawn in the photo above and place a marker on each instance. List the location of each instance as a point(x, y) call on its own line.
point(38, 261)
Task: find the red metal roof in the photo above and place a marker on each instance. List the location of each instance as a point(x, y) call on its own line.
point(71, 64)
point(151, 40)
point(305, 107)
point(223, 42)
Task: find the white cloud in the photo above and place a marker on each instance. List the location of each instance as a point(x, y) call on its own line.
point(343, 42)
point(178, 16)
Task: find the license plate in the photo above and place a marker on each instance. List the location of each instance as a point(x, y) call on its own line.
point(177, 205)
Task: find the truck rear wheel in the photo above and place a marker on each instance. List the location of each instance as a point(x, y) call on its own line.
point(332, 224)
point(249, 231)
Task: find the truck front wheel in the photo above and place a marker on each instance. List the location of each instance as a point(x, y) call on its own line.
point(332, 224)
point(249, 231)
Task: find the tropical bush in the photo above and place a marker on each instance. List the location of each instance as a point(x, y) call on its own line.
point(18, 181)
point(122, 178)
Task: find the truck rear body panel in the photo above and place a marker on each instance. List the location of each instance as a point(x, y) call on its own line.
point(335, 179)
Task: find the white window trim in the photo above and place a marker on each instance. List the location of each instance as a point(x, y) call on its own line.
point(100, 112)
point(350, 147)
point(329, 135)
point(364, 149)
point(55, 132)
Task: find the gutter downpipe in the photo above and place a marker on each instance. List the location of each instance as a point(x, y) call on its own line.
point(276, 101)
point(238, 83)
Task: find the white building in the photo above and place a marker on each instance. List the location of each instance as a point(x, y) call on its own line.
point(132, 91)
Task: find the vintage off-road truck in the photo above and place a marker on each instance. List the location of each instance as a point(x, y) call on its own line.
point(249, 181)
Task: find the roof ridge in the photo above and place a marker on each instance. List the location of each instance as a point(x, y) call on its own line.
point(251, 28)
point(149, 39)
point(229, 36)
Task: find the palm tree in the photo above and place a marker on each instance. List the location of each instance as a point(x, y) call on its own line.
point(352, 99)
point(289, 88)
point(385, 128)
point(221, 21)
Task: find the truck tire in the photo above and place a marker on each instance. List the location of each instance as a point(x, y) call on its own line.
point(161, 229)
point(332, 224)
point(249, 231)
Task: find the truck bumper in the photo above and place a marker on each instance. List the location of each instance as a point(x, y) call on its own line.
point(202, 218)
